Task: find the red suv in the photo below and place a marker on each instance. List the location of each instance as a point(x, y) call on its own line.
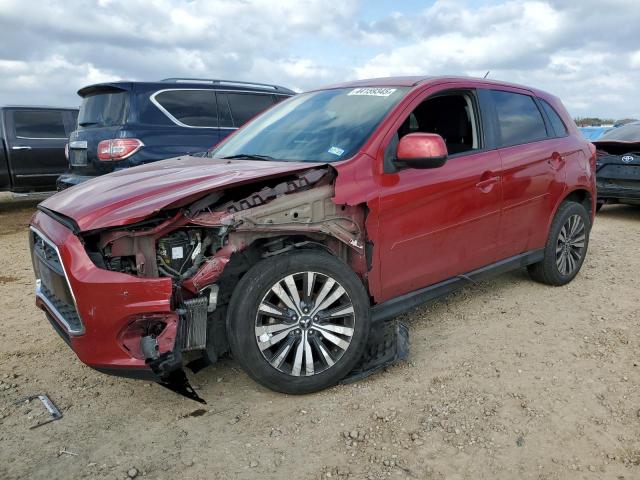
point(329, 213)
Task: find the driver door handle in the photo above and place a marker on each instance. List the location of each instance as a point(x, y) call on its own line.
point(21, 147)
point(487, 181)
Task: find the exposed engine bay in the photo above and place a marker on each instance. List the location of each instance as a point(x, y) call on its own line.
point(205, 247)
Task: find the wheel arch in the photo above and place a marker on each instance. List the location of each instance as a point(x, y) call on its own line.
point(583, 197)
point(578, 195)
point(263, 247)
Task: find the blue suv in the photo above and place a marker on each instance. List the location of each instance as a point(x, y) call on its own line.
point(124, 124)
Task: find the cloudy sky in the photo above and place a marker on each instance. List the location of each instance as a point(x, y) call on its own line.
point(585, 51)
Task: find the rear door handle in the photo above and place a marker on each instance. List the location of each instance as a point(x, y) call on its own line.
point(21, 147)
point(487, 181)
point(556, 160)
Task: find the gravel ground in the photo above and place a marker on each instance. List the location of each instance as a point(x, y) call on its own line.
point(506, 379)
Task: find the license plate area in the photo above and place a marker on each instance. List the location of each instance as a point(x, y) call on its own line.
point(77, 157)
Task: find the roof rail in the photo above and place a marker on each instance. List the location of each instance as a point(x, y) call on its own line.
point(232, 83)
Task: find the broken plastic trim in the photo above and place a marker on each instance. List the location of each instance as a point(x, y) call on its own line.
point(177, 382)
point(388, 343)
point(168, 368)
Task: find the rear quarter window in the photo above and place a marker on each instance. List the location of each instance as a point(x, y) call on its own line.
point(192, 108)
point(559, 128)
point(39, 124)
point(519, 120)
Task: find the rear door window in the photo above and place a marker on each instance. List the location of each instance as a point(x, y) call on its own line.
point(245, 106)
point(191, 108)
point(39, 124)
point(559, 128)
point(519, 120)
point(103, 110)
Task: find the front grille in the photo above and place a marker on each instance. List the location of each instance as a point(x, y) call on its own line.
point(52, 285)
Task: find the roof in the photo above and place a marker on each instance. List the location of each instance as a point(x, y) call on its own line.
point(212, 84)
point(413, 81)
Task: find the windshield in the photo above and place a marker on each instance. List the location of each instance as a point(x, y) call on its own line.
point(626, 133)
point(103, 110)
point(323, 126)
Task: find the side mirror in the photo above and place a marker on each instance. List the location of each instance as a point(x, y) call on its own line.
point(421, 150)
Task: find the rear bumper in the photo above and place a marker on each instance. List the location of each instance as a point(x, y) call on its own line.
point(617, 180)
point(611, 189)
point(68, 180)
point(107, 305)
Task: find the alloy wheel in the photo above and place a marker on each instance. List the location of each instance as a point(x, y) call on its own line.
point(570, 245)
point(304, 323)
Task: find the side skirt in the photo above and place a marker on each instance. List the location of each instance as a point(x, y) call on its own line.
point(387, 310)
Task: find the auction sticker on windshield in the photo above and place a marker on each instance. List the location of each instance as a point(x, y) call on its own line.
point(336, 151)
point(372, 91)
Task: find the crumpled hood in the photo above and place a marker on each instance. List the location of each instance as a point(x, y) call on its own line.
point(133, 194)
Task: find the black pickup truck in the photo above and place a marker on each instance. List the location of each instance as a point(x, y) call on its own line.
point(32, 149)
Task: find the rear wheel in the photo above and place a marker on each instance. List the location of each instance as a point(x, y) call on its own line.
point(566, 246)
point(298, 322)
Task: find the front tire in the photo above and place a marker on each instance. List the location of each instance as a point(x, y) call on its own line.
point(566, 246)
point(298, 322)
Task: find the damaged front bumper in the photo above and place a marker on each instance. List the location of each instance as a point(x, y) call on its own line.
point(99, 313)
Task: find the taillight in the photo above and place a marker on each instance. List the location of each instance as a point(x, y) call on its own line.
point(118, 149)
point(66, 151)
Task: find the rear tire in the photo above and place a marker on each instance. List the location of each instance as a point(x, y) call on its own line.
point(566, 246)
point(299, 322)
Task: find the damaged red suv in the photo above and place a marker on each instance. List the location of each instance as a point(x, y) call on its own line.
point(300, 235)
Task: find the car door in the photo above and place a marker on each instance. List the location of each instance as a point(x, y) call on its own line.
point(37, 139)
point(532, 170)
point(438, 223)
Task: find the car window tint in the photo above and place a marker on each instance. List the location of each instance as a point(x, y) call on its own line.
point(224, 114)
point(558, 125)
point(519, 120)
point(194, 108)
point(39, 124)
point(105, 109)
point(245, 106)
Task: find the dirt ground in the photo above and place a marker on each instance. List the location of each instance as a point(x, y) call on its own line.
point(506, 379)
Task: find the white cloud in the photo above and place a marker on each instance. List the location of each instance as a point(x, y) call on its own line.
point(528, 42)
point(557, 45)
